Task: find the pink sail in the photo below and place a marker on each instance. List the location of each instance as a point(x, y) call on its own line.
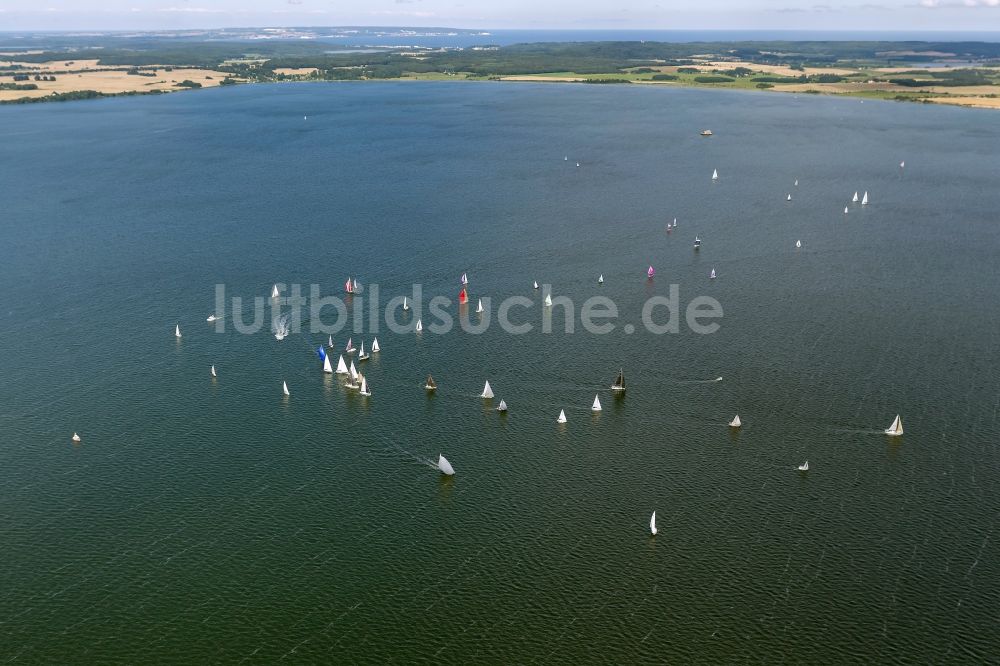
point(650, 272)
point(349, 286)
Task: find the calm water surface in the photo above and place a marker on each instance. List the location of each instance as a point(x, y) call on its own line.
point(214, 521)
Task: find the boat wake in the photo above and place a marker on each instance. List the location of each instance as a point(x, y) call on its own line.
point(280, 327)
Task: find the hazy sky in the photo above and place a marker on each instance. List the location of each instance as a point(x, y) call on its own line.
point(880, 15)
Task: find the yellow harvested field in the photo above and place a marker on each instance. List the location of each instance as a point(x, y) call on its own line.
point(54, 66)
point(978, 102)
point(778, 70)
point(568, 79)
point(117, 81)
point(844, 87)
point(296, 71)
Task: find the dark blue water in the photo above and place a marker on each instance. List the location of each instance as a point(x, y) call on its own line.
point(204, 521)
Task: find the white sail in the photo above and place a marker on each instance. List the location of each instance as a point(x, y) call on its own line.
point(600, 279)
point(406, 305)
point(274, 291)
point(479, 308)
point(675, 221)
point(715, 174)
point(798, 243)
point(548, 300)
point(211, 318)
point(596, 407)
point(487, 391)
point(327, 366)
point(804, 467)
point(712, 274)
point(536, 284)
point(284, 387)
point(177, 331)
point(364, 387)
point(652, 524)
point(902, 164)
point(502, 407)
point(420, 326)
point(445, 466)
point(375, 347)
point(76, 437)
point(341, 366)
point(855, 199)
point(788, 198)
point(845, 210)
point(349, 347)
point(796, 182)
point(735, 423)
point(864, 199)
point(329, 342)
point(562, 416)
point(896, 428)
point(361, 352)
point(354, 373)
point(213, 371)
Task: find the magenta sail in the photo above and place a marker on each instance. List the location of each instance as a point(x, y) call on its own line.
point(349, 286)
point(650, 272)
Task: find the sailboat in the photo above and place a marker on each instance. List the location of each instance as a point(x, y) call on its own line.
point(566, 158)
point(365, 391)
point(711, 276)
point(845, 210)
point(406, 306)
point(463, 296)
point(796, 182)
point(352, 381)
point(600, 279)
point(355, 283)
point(76, 437)
point(284, 387)
point(430, 385)
point(349, 349)
point(735, 423)
point(487, 391)
point(465, 278)
point(320, 352)
point(479, 308)
point(548, 300)
point(675, 223)
point(902, 165)
point(697, 243)
point(798, 243)
point(420, 326)
point(619, 384)
point(341, 366)
point(502, 407)
point(650, 272)
point(596, 407)
point(362, 356)
point(577, 164)
point(375, 347)
point(329, 342)
point(855, 199)
point(562, 416)
point(349, 286)
point(715, 174)
point(177, 331)
point(445, 466)
point(652, 524)
point(536, 284)
point(212, 370)
point(211, 318)
point(788, 198)
point(896, 428)
point(864, 199)
point(804, 467)
point(327, 366)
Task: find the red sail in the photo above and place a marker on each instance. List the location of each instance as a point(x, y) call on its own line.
point(463, 297)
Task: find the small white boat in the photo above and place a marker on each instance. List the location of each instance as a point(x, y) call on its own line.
point(375, 348)
point(341, 366)
point(578, 164)
point(711, 276)
point(420, 326)
point(902, 165)
point(796, 182)
point(855, 199)
point(548, 300)
point(76, 437)
point(736, 423)
point(479, 308)
point(596, 407)
point(349, 349)
point(284, 388)
point(845, 210)
point(697, 243)
point(329, 342)
point(600, 279)
point(327, 366)
point(566, 159)
point(798, 243)
point(502, 407)
point(487, 392)
point(211, 318)
point(652, 524)
point(445, 466)
point(430, 385)
point(212, 370)
point(864, 199)
point(619, 384)
point(707, 132)
point(715, 174)
point(804, 467)
point(536, 284)
point(562, 416)
point(406, 305)
point(896, 428)
point(362, 356)
point(177, 331)
point(274, 292)
point(365, 391)
point(352, 380)
point(675, 223)
point(788, 198)
point(465, 278)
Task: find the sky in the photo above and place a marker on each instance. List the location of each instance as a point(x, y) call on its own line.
point(876, 15)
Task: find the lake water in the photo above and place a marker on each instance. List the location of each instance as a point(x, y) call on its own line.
point(216, 521)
